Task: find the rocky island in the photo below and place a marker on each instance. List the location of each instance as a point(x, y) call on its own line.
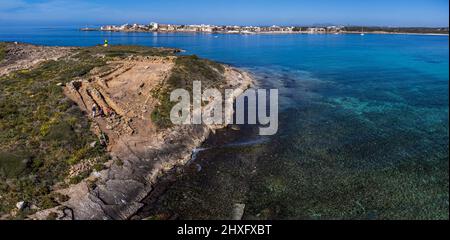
point(60, 160)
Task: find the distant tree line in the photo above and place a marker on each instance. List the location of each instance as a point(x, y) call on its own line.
point(299, 29)
point(444, 30)
point(398, 29)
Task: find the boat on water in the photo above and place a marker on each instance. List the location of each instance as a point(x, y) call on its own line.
point(88, 29)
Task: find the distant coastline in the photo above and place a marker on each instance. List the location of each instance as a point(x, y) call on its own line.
point(249, 30)
point(401, 33)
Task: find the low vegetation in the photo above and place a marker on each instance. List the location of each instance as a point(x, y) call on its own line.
point(398, 30)
point(123, 51)
point(187, 69)
point(43, 133)
point(2, 51)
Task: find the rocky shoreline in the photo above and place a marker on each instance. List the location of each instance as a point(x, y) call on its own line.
point(125, 153)
point(139, 157)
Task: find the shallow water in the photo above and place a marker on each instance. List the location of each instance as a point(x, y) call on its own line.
point(363, 126)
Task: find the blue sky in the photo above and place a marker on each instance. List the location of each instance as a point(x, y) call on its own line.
point(248, 12)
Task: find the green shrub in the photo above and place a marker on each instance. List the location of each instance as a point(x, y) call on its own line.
point(13, 164)
point(2, 51)
point(42, 132)
point(187, 69)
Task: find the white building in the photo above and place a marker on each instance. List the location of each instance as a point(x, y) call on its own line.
point(154, 26)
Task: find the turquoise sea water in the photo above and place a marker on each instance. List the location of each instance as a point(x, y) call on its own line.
point(364, 130)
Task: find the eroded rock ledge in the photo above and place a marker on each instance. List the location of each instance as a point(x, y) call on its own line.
point(140, 151)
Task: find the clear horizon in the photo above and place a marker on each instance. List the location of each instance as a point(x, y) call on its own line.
point(400, 13)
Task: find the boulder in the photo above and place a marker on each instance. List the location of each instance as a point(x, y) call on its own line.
point(21, 205)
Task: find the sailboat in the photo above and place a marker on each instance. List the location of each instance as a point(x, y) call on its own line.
point(362, 32)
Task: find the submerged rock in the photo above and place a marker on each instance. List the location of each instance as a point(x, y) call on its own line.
point(236, 128)
point(238, 211)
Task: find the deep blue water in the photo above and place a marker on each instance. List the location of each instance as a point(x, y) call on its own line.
point(363, 125)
